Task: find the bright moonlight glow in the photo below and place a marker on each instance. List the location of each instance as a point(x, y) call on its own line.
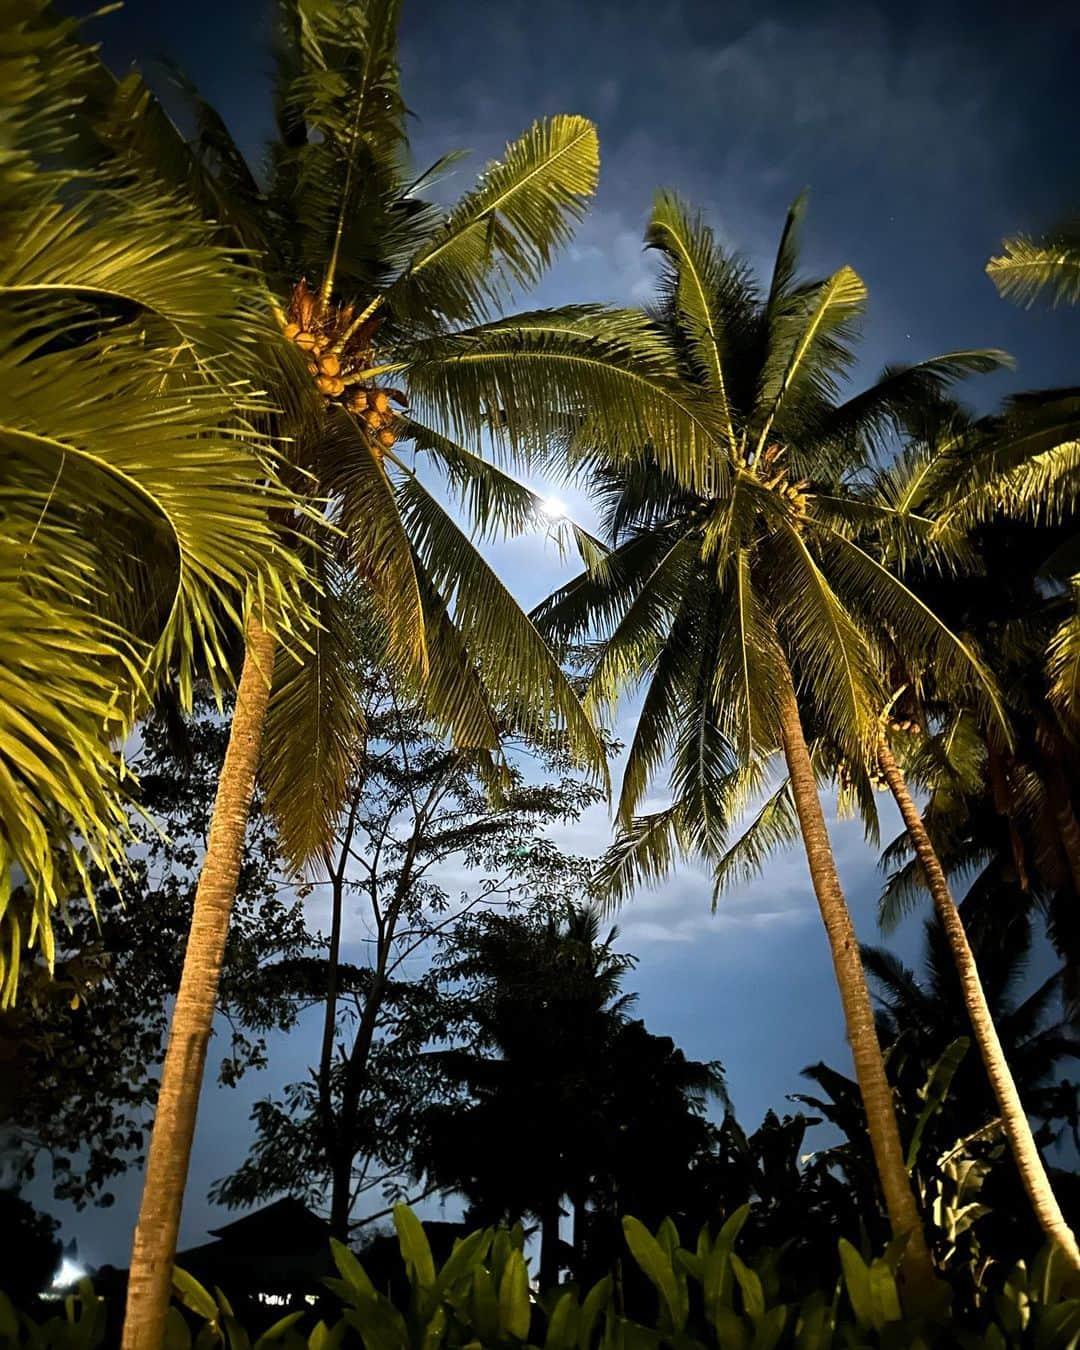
point(69, 1274)
point(554, 508)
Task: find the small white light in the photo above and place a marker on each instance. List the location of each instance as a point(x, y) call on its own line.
point(554, 508)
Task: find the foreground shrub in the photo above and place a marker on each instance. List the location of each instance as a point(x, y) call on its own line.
point(706, 1297)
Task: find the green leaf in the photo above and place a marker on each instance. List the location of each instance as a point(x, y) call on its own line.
point(934, 1093)
point(562, 1327)
point(192, 1295)
point(177, 1332)
point(415, 1249)
point(485, 1306)
point(597, 1300)
point(514, 1309)
point(857, 1284)
point(752, 1293)
point(278, 1329)
point(656, 1264)
point(467, 1254)
point(883, 1293)
point(352, 1272)
point(1030, 268)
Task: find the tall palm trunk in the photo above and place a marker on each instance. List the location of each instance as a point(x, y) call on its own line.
point(167, 1163)
point(1021, 1141)
point(858, 1011)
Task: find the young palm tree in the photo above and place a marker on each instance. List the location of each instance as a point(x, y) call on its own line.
point(738, 593)
point(391, 279)
point(136, 499)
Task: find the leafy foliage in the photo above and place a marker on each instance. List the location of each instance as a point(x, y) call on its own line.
point(82, 1046)
point(418, 811)
point(703, 1296)
point(134, 491)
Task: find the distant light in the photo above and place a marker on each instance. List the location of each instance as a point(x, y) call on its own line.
point(69, 1274)
point(553, 508)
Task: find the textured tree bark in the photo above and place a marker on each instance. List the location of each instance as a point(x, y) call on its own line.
point(870, 1074)
point(154, 1249)
point(1025, 1153)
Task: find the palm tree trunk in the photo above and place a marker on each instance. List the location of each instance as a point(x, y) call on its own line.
point(858, 1011)
point(154, 1249)
point(1024, 1150)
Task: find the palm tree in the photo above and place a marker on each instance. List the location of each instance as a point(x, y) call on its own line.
point(920, 484)
point(738, 593)
point(567, 1097)
point(546, 1001)
point(396, 284)
point(136, 496)
point(922, 1014)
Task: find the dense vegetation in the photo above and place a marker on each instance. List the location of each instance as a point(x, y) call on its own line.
point(253, 663)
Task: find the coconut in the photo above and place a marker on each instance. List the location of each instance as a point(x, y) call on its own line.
point(381, 400)
point(387, 438)
point(291, 330)
point(358, 402)
point(305, 341)
point(329, 364)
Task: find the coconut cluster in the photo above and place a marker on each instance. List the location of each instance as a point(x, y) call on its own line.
point(777, 479)
point(339, 352)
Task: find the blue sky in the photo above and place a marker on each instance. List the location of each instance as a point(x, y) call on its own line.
point(924, 131)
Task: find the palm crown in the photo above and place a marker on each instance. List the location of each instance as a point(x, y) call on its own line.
point(764, 554)
point(374, 286)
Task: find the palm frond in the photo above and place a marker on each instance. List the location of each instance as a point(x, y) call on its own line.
point(709, 291)
point(1030, 268)
point(787, 258)
point(900, 397)
point(806, 346)
point(642, 854)
point(586, 376)
point(775, 825)
point(633, 645)
point(454, 694)
point(1063, 660)
point(506, 230)
point(338, 80)
point(314, 737)
point(515, 664)
point(363, 503)
point(829, 652)
point(595, 601)
point(495, 503)
point(921, 634)
point(134, 248)
point(673, 681)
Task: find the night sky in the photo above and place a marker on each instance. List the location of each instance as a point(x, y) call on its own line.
point(924, 131)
